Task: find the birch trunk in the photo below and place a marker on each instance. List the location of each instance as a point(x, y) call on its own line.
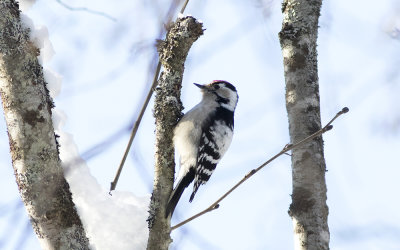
point(27, 109)
point(167, 109)
point(298, 38)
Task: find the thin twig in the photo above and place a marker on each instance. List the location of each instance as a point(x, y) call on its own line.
point(99, 13)
point(184, 6)
point(135, 128)
point(287, 148)
point(139, 119)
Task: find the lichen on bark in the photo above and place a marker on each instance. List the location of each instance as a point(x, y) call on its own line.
point(167, 110)
point(34, 149)
point(298, 39)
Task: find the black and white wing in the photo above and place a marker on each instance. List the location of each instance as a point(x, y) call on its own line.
point(214, 142)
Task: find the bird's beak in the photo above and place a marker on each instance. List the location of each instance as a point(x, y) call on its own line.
point(200, 86)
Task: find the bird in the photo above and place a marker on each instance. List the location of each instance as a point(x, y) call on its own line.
point(202, 136)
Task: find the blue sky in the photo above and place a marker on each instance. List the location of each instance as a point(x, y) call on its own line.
point(104, 66)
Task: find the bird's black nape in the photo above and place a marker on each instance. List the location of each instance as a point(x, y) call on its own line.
point(178, 191)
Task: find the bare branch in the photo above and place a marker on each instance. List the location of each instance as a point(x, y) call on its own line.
point(139, 119)
point(184, 6)
point(135, 128)
point(95, 12)
point(285, 149)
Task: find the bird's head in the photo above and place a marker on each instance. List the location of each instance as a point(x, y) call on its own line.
point(222, 92)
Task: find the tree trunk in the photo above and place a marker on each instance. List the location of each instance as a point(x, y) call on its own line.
point(298, 38)
point(167, 110)
point(27, 109)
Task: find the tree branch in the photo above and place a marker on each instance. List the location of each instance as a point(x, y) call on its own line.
point(167, 110)
point(135, 128)
point(139, 119)
point(27, 110)
point(94, 12)
point(298, 39)
point(287, 148)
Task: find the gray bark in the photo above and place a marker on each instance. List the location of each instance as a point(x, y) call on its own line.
point(167, 110)
point(27, 109)
point(298, 37)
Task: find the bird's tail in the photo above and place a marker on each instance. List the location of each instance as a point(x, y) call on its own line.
point(178, 191)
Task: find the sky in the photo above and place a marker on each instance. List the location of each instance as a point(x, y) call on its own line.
point(100, 57)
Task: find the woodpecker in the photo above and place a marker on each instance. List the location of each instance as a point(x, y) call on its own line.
point(202, 137)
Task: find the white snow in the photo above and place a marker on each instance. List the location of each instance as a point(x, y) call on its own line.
point(25, 5)
point(112, 222)
point(40, 37)
point(53, 80)
point(181, 15)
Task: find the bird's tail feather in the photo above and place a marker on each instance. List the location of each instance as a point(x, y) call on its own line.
point(178, 191)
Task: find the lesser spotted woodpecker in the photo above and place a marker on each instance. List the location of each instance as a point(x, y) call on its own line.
point(202, 137)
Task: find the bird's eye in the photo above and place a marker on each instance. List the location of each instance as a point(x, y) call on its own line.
point(216, 86)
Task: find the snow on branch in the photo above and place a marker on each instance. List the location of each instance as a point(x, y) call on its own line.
point(34, 149)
